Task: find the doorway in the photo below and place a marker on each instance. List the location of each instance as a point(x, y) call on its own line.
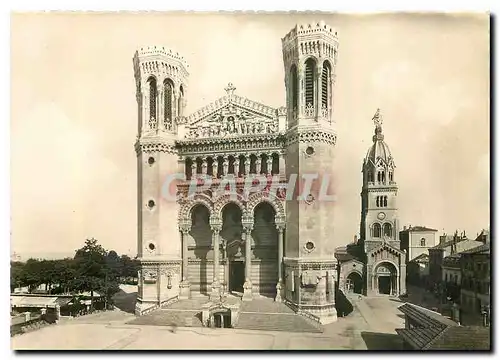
point(236, 276)
point(354, 283)
point(384, 285)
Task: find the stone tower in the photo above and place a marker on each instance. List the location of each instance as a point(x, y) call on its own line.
point(161, 81)
point(310, 59)
point(385, 270)
point(379, 211)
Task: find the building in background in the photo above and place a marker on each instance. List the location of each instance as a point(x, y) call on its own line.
point(476, 279)
point(446, 247)
point(416, 240)
point(417, 270)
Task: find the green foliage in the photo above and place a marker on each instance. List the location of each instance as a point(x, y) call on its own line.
point(93, 269)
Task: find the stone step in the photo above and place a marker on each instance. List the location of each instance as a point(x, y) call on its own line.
point(275, 322)
point(163, 317)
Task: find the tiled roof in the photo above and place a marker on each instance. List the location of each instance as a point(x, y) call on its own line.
point(485, 249)
point(436, 332)
point(421, 258)
point(449, 338)
point(418, 228)
point(462, 338)
point(425, 317)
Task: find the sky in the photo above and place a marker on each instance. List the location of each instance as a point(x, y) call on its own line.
point(74, 113)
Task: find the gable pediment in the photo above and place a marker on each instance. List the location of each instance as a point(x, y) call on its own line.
point(385, 247)
point(232, 116)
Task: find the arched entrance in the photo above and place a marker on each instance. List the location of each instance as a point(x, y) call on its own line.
point(265, 250)
point(199, 271)
point(354, 283)
point(233, 248)
point(386, 278)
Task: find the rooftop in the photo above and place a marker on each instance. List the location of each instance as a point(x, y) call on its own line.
point(417, 228)
point(481, 249)
point(451, 338)
point(436, 332)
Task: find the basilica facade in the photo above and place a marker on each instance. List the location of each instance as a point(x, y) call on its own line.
point(261, 244)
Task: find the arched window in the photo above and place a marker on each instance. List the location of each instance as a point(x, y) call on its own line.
point(370, 176)
point(294, 84)
point(309, 82)
point(180, 101)
point(385, 201)
point(152, 102)
point(383, 176)
point(391, 176)
point(387, 230)
point(168, 97)
point(378, 176)
point(376, 230)
point(378, 201)
point(422, 242)
point(325, 81)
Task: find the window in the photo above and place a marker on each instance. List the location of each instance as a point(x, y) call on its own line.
point(309, 82)
point(168, 97)
point(325, 81)
point(422, 242)
point(370, 176)
point(385, 201)
point(387, 230)
point(180, 101)
point(376, 230)
point(294, 87)
point(152, 102)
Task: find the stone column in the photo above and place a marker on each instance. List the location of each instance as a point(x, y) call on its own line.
point(282, 165)
point(269, 163)
point(247, 164)
point(225, 165)
point(318, 92)
point(397, 286)
point(160, 107)
point(215, 294)
point(204, 166)
point(193, 169)
point(258, 167)
point(279, 285)
point(185, 291)
point(247, 287)
point(226, 268)
point(236, 166)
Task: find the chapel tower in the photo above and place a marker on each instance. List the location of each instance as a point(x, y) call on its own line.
point(379, 211)
point(310, 59)
point(161, 82)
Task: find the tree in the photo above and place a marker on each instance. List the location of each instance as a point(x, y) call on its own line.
point(90, 268)
point(16, 275)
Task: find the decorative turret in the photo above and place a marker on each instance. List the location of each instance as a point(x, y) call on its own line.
point(161, 78)
point(310, 58)
point(378, 165)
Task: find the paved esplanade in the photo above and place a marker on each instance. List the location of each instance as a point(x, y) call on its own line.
point(372, 326)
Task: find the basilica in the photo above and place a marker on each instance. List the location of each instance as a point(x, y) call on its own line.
point(262, 245)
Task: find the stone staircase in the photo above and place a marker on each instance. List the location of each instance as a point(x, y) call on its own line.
point(265, 314)
point(259, 314)
point(276, 322)
point(168, 317)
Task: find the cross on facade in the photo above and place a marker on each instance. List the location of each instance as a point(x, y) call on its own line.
point(230, 89)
